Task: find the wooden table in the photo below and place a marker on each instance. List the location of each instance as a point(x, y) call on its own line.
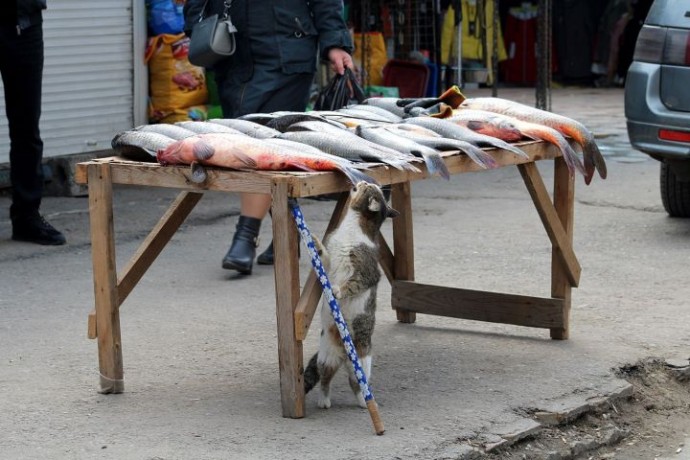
point(295, 309)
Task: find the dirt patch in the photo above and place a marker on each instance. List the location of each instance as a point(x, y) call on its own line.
point(654, 423)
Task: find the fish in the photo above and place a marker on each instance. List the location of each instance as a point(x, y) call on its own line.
point(489, 123)
point(433, 160)
point(387, 103)
point(140, 145)
point(463, 133)
point(260, 118)
point(352, 147)
point(247, 127)
point(283, 120)
point(593, 158)
point(176, 132)
point(242, 152)
point(204, 127)
point(370, 112)
point(434, 140)
point(542, 132)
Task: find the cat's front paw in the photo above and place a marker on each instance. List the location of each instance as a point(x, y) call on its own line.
point(324, 402)
point(336, 291)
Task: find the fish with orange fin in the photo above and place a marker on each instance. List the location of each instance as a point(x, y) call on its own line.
point(479, 120)
point(593, 158)
point(242, 152)
point(487, 123)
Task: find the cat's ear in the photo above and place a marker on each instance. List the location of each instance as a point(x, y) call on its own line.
point(374, 205)
point(390, 212)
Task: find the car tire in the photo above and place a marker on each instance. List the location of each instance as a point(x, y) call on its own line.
point(675, 194)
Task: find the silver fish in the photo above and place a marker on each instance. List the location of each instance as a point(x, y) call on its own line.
point(352, 147)
point(434, 140)
point(433, 160)
point(387, 103)
point(247, 127)
point(454, 131)
point(174, 131)
point(140, 145)
point(204, 127)
point(390, 116)
point(283, 120)
point(370, 115)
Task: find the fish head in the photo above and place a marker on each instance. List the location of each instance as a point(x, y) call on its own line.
point(171, 155)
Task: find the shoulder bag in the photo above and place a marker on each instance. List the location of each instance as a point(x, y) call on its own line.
point(213, 38)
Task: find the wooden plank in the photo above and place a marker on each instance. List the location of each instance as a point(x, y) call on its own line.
point(403, 243)
point(386, 259)
point(478, 305)
point(105, 279)
point(156, 240)
point(302, 184)
point(564, 202)
point(286, 269)
point(309, 300)
point(562, 244)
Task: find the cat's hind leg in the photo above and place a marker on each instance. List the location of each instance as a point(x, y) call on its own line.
point(330, 358)
point(327, 372)
point(354, 382)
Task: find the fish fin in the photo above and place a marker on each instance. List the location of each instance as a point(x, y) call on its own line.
point(247, 160)
point(199, 175)
point(435, 164)
point(202, 150)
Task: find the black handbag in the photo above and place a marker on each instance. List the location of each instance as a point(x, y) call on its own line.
point(213, 38)
point(341, 91)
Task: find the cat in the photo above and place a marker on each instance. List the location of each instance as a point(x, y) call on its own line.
point(350, 256)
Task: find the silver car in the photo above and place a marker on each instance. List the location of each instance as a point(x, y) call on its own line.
point(657, 99)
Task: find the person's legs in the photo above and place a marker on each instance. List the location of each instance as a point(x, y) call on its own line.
point(21, 65)
point(268, 91)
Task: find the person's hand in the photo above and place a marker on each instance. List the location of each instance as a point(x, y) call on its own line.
point(339, 60)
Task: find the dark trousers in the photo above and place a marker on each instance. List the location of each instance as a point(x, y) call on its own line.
point(21, 65)
point(267, 91)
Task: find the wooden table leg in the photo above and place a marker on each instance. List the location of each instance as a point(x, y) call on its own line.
point(286, 268)
point(105, 278)
point(564, 202)
point(403, 242)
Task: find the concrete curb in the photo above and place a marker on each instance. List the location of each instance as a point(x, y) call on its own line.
point(559, 412)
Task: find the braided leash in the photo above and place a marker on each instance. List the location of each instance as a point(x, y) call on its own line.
point(337, 317)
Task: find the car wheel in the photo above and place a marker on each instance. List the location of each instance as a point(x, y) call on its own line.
point(675, 194)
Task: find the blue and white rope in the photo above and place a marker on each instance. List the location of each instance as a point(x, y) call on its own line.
point(332, 301)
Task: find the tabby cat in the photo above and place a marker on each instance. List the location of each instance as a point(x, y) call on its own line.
point(350, 256)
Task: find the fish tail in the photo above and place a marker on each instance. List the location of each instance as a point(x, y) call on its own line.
point(435, 164)
point(592, 156)
point(594, 159)
point(478, 155)
point(355, 175)
point(571, 159)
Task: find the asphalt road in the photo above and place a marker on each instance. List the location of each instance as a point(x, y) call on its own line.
point(199, 344)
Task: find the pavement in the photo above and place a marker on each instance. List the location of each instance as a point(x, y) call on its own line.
point(199, 343)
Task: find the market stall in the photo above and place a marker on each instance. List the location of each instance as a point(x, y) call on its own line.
point(295, 308)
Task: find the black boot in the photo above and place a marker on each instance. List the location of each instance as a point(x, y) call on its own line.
point(33, 228)
point(241, 254)
point(266, 257)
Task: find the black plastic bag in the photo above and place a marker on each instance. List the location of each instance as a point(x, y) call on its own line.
point(340, 92)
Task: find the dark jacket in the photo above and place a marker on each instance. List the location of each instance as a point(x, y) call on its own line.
point(29, 12)
point(281, 34)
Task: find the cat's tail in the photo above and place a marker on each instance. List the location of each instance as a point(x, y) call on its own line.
point(311, 374)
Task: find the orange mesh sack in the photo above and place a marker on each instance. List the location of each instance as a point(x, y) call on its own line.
point(175, 85)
